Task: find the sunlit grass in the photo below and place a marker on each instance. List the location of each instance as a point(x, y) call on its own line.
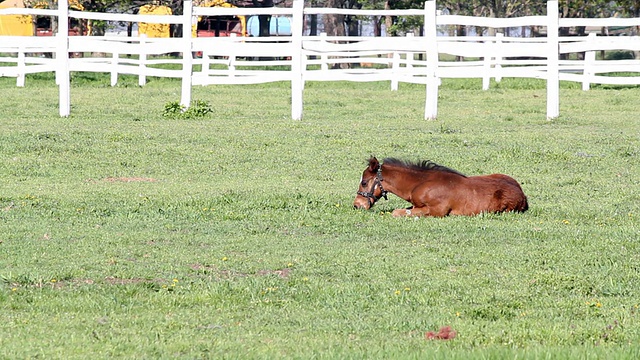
point(126, 233)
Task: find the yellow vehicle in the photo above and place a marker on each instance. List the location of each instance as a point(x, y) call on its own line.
point(207, 26)
point(15, 25)
point(154, 30)
point(23, 25)
point(76, 26)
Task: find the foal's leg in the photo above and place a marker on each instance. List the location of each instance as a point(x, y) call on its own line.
point(402, 212)
point(412, 212)
point(425, 210)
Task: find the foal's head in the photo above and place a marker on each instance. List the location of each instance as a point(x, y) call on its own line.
point(370, 189)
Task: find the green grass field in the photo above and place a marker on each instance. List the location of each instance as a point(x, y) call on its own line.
point(126, 234)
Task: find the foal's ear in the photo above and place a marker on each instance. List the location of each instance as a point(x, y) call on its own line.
point(374, 165)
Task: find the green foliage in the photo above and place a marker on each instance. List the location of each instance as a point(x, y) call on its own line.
point(198, 109)
point(619, 55)
point(128, 234)
point(173, 109)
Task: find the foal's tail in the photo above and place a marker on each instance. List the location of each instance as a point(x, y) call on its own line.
point(523, 205)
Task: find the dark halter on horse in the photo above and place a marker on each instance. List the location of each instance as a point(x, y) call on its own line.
point(376, 182)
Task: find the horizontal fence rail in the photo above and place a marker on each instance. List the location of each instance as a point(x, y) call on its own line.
point(299, 58)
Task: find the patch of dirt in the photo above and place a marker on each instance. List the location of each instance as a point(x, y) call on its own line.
point(213, 270)
point(129, 179)
point(120, 281)
point(282, 273)
point(200, 267)
point(60, 284)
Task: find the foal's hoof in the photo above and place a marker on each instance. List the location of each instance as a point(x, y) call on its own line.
point(401, 212)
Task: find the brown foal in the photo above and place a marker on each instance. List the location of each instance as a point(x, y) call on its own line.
point(435, 190)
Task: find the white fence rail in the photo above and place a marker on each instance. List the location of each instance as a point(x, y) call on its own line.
point(299, 58)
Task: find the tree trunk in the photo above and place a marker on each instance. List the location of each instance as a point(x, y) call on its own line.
point(581, 31)
point(461, 30)
point(352, 26)
point(388, 23)
point(636, 31)
point(388, 20)
point(377, 26)
point(491, 31)
point(333, 23)
point(334, 26)
point(313, 25)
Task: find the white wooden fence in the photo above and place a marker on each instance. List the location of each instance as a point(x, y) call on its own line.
point(299, 58)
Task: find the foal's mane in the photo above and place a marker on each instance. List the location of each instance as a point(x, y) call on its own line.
point(423, 165)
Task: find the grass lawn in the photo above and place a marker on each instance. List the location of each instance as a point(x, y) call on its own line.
point(126, 234)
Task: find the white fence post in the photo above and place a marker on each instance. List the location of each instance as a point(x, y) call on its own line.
point(142, 60)
point(553, 65)
point(22, 67)
point(232, 57)
point(486, 65)
point(206, 63)
point(589, 61)
point(114, 68)
point(395, 70)
point(410, 56)
point(431, 42)
point(497, 65)
point(490, 63)
point(187, 56)
point(324, 65)
point(62, 58)
point(297, 86)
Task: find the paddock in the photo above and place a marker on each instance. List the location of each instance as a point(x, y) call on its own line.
point(128, 234)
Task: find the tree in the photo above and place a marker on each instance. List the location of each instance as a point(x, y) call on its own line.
point(340, 25)
point(630, 8)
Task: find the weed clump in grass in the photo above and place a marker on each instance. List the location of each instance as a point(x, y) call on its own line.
point(198, 109)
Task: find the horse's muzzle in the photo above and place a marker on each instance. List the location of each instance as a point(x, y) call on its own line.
point(362, 202)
